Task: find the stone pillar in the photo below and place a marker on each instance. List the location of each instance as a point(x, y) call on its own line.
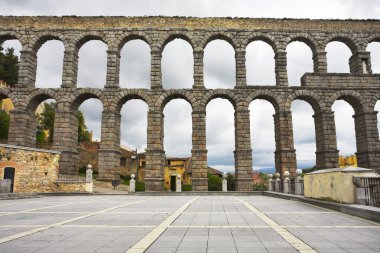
point(199, 151)
point(109, 151)
point(155, 69)
point(327, 154)
point(280, 68)
point(155, 155)
point(27, 68)
point(285, 154)
point(198, 69)
point(70, 69)
point(360, 63)
point(241, 78)
point(298, 183)
point(65, 139)
point(113, 67)
point(243, 151)
point(270, 182)
point(22, 128)
point(320, 62)
point(367, 140)
point(277, 182)
point(286, 183)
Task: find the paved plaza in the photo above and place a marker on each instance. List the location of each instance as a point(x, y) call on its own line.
point(179, 224)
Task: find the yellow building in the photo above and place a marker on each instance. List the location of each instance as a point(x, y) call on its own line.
point(5, 104)
point(173, 166)
point(348, 161)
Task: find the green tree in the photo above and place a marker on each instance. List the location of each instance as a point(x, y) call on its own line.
point(4, 124)
point(8, 66)
point(230, 182)
point(46, 122)
point(83, 133)
point(214, 182)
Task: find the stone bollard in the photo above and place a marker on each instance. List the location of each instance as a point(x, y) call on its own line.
point(224, 183)
point(89, 184)
point(89, 174)
point(178, 187)
point(299, 182)
point(270, 182)
point(286, 182)
point(277, 182)
point(132, 183)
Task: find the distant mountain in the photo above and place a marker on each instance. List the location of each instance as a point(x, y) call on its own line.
point(266, 170)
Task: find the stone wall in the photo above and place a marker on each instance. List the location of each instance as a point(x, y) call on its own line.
point(360, 88)
point(36, 170)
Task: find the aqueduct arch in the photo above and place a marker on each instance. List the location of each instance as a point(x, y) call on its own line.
point(359, 87)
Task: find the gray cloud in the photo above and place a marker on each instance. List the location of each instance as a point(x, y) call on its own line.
point(50, 64)
point(92, 64)
point(260, 64)
point(219, 65)
point(134, 124)
point(135, 65)
point(177, 65)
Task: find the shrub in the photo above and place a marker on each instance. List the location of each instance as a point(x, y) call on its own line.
point(214, 183)
point(259, 187)
point(187, 187)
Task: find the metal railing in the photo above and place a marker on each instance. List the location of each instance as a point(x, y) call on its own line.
point(371, 187)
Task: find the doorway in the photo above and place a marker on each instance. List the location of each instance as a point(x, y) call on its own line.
point(172, 183)
point(9, 173)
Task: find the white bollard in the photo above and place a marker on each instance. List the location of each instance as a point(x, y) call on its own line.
point(224, 183)
point(277, 182)
point(299, 182)
point(286, 182)
point(270, 182)
point(132, 183)
point(89, 174)
point(178, 187)
point(89, 186)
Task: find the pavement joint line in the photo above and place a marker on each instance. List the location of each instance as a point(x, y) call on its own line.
point(35, 209)
point(345, 214)
point(289, 237)
point(18, 203)
point(307, 212)
point(45, 227)
point(194, 226)
point(153, 235)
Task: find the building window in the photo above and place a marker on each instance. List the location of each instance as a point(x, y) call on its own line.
point(123, 161)
point(143, 163)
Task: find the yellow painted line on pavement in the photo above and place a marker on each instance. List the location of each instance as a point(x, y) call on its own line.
point(45, 227)
point(289, 237)
point(150, 238)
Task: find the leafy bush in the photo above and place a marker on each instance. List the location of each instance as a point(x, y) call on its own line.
point(187, 187)
point(140, 186)
point(230, 182)
point(259, 187)
point(214, 183)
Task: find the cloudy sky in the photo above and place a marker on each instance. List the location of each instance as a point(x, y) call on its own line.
point(219, 72)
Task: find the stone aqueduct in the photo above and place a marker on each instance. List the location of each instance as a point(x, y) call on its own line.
point(360, 87)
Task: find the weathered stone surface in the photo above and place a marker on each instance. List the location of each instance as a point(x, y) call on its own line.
point(360, 87)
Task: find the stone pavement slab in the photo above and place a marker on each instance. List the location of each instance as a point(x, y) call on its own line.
point(179, 224)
